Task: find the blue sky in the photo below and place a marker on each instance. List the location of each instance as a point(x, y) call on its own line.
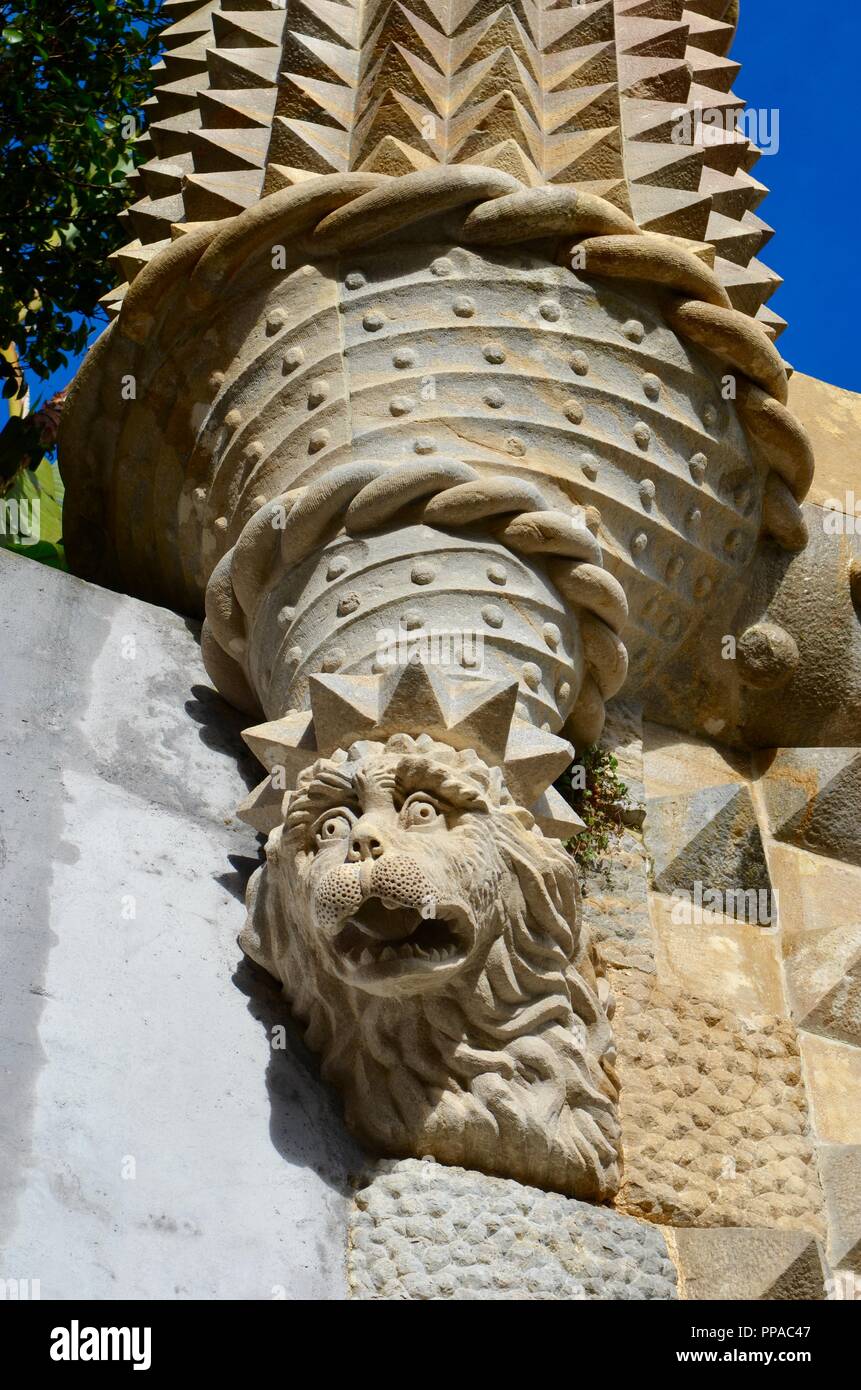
point(803, 65)
point(803, 62)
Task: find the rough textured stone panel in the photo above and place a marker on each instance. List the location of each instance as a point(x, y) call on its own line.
point(710, 837)
point(840, 1169)
point(813, 799)
point(616, 900)
point(832, 417)
point(833, 1075)
point(616, 906)
point(701, 825)
point(734, 964)
point(820, 919)
point(675, 764)
point(749, 1263)
point(623, 736)
point(714, 1115)
point(424, 1231)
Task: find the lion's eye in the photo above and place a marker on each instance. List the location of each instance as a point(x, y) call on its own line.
point(334, 827)
point(419, 810)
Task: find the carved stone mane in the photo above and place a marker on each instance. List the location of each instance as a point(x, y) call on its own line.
point(491, 1049)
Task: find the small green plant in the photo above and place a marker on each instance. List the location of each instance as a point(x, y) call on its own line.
point(593, 787)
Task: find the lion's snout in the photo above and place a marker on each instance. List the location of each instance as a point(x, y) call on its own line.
point(400, 879)
point(394, 878)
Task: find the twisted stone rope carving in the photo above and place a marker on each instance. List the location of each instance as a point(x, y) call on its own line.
point(369, 495)
point(338, 213)
point(362, 208)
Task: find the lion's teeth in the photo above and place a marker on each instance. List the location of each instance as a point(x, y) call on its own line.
point(388, 954)
point(366, 958)
point(419, 952)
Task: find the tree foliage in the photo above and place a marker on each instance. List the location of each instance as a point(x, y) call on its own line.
point(73, 77)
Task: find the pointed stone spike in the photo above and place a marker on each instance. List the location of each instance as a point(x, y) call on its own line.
point(134, 257)
point(235, 28)
point(173, 136)
point(304, 145)
point(509, 157)
point(243, 107)
point(162, 177)
point(575, 26)
point(324, 103)
point(735, 241)
point(710, 70)
point(217, 150)
point(748, 286)
point(284, 176)
point(667, 166)
point(286, 743)
point(262, 807)
point(771, 322)
point(709, 35)
point(653, 38)
point(674, 211)
point(195, 24)
point(481, 715)
point(732, 196)
point(327, 19)
point(589, 154)
point(114, 298)
point(581, 68)
point(555, 817)
point(413, 699)
point(211, 196)
point(344, 709)
point(715, 9)
point(533, 760)
point(657, 122)
point(185, 62)
point(151, 219)
point(394, 157)
point(758, 190)
point(243, 67)
point(181, 229)
point(655, 79)
point(712, 100)
point(766, 232)
point(392, 120)
point(307, 57)
point(172, 98)
point(581, 108)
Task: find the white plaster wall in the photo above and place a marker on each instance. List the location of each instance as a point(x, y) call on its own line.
point(140, 1044)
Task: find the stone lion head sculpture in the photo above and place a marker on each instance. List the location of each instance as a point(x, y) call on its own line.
point(429, 939)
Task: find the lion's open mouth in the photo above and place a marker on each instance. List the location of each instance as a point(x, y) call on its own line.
point(385, 933)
